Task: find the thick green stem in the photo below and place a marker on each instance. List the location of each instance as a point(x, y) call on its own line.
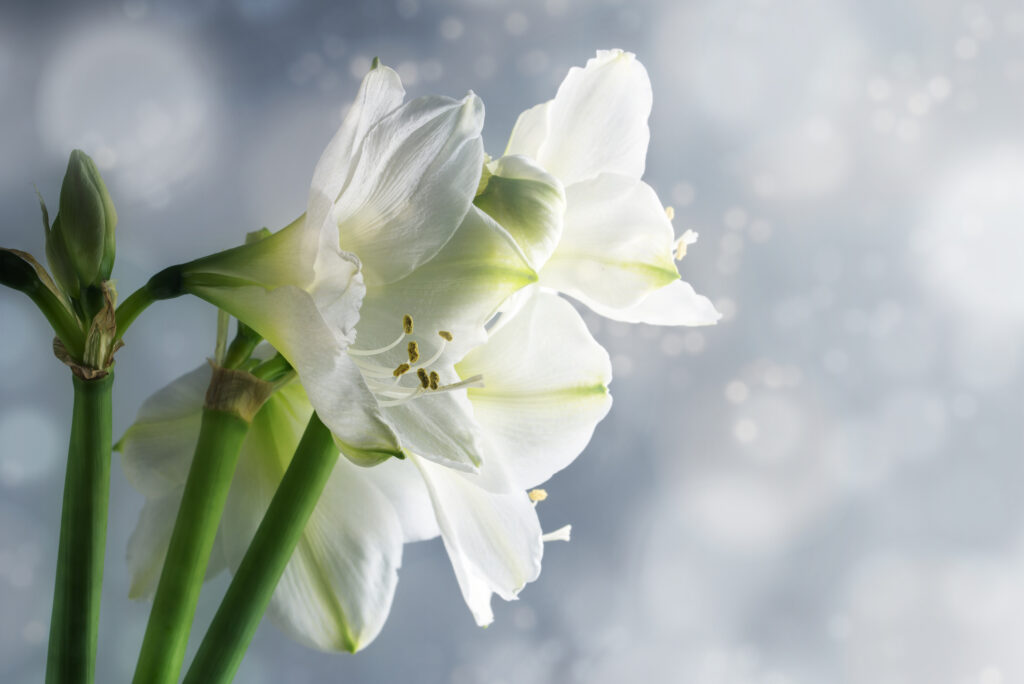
point(83, 531)
point(240, 612)
point(163, 648)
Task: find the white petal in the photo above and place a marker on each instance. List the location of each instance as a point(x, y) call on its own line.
point(147, 545)
point(156, 451)
point(415, 178)
point(530, 131)
point(616, 246)
point(674, 304)
point(346, 406)
point(380, 93)
point(597, 122)
point(337, 589)
point(493, 540)
point(457, 291)
point(440, 427)
point(545, 389)
point(527, 202)
point(401, 483)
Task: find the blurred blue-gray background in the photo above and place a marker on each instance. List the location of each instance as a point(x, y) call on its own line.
point(824, 488)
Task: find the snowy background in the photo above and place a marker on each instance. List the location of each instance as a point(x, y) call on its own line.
point(825, 488)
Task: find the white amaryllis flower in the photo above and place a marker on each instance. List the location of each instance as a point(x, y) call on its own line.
point(392, 192)
point(546, 390)
point(616, 251)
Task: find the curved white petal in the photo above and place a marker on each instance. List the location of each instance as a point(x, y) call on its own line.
point(156, 450)
point(530, 131)
point(380, 93)
point(545, 389)
point(527, 202)
point(403, 486)
point(416, 175)
point(457, 291)
point(493, 540)
point(597, 122)
point(440, 427)
point(616, 246)
point(675, 304)
point(337, 589)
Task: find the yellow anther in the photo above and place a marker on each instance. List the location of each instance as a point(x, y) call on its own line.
point(424, 378)
point(670, 212)
point(414, 352)
point(537, 495)
point(447, 336)
point(680, 249)
point(407, 324)
point(401, 370)
point(435, 380)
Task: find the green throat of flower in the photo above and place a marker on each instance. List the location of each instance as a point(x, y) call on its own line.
point(389, 384)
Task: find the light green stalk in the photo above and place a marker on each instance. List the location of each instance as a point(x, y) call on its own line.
point(83, 531)
point(252, 587)
point(232, 400)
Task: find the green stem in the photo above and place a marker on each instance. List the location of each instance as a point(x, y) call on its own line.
point(228, 636)
point(167, 284)
point(245, 342)
point(273, 369)
point(130, 308)
point(163, 647)
point(83, 531)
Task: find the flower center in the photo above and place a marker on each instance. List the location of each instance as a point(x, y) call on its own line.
point(389, 384)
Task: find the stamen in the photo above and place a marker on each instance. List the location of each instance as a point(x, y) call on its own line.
point(474, 381)
point(414, 352)
point(407, 324)
point(687, 239)
point(445, 335)
point(670, 212)
point(401, 370)
point(561, 534)
point(398, 402)
point(435, 380)
point(435, 357)
point(424, 378)
point(537, 495)
point(379, 350)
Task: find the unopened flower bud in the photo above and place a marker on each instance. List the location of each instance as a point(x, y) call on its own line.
point(80, 245)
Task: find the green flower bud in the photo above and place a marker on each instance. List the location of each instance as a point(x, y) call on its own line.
point(80, 245)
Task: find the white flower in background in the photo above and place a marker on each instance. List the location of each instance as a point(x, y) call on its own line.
point(546, 390)
point(616, 251)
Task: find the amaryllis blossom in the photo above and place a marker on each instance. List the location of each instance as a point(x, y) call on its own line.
point(616, 250)
point(388, 196)
point(546, 390)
